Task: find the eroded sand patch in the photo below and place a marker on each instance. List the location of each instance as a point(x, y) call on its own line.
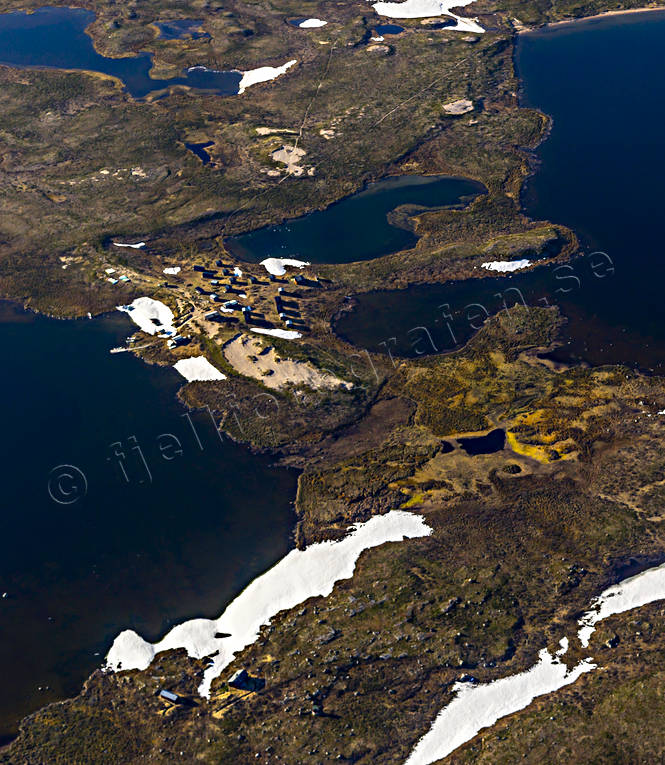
point(251, 358)
point(290, 156)
point(461, 106)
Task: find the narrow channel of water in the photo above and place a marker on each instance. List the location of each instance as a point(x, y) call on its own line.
point(147, 520)
point(600, 172)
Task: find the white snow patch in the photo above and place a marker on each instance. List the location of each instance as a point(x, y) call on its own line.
point(632, 593)
point(377, 39)
point(285, 334)
point(198, 368)
point(172, 270)
point(152, 316)
point(466, 25)
point(136, 246)
point(237, 271)
point(312, 24)
point(420, 9)
point(478, 706)
point(276, 266)
point(262, 74)
point(300, 575)
point(505, 266)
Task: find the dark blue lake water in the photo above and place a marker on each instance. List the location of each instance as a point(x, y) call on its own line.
point(600, 172)
point(165, 530)
point(358, 227)
point(55, 38)
point(388, 29)
point(199, 149)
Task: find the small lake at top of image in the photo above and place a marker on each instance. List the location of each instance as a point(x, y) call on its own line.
point(600, 172)
point(357, 227)
point(55, 38)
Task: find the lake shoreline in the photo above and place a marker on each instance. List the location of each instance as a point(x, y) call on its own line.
point(580, 19)
point(87, 610)
point(251, 648)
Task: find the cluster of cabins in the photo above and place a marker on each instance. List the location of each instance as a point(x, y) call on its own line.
point(223, 283)
point(110, 278)
point(240, 680)
point(177, 340)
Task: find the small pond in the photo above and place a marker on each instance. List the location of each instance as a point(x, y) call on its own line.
point(199, 149)
point(388, 29)
point(494, 441)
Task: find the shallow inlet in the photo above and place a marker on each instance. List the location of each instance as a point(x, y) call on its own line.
point(600, 172)
point(190, 524)
point(357, 227)
point(55, 38)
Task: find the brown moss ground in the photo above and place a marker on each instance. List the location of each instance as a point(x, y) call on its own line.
point(61, 130)
point(497, 581)
point(613, 715)
point(521, 541)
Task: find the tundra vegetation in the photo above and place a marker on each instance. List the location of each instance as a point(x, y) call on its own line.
point(523, 538)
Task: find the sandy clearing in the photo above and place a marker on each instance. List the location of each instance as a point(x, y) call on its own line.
point(461, 106)
point(248, 356)
point(290, 156)
point(272, 131)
